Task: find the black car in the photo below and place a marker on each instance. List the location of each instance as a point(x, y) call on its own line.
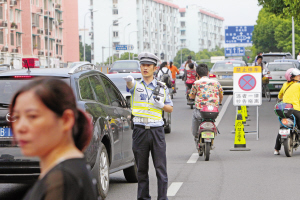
point(110, 149)
point(125, 66)
point(270, 57)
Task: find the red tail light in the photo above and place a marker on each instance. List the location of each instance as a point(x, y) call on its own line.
point(212, 76)
point(270, 77)
point(114, 72)
point(23, 76)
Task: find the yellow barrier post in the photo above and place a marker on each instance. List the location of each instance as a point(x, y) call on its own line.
point(244, 108)
point(240, 140)
point(240, 111)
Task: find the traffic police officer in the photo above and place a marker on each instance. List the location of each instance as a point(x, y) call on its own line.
point(148, 133)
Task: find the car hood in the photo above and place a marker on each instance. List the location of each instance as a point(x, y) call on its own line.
point(125, 70)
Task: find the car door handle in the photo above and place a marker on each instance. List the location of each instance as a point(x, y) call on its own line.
point(108, 118)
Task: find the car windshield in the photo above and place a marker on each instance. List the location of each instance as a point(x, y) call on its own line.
point(9, 86)
point(227, 66)
point(272, 58)
point(280, 67)
point(125, 65)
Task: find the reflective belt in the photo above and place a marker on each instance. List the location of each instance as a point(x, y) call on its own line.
point(145, 120)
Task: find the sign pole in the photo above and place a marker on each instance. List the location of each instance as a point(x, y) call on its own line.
point(257, 122)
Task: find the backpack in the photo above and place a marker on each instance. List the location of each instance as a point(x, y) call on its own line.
point(166, 78)
point(190, 76)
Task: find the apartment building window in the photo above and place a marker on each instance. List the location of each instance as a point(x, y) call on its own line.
point(182, 33)
point(1, 36)
point(182, 24)
point(57, 49)
point(46, 43)
point(38, 42)
point(19, 39)
point(11, 15)
point(115, 1)
point(115, 11)
point(36, 19)
point(115, 44)
point(115, 24)
point(116, 34)
point(1, 12)
point(12, 39)
point(182, 14)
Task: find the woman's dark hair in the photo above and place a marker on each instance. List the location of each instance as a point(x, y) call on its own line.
point(163, 64)
point(191, 65)
point(259, 57)
point(58, 97)
point(202, 70)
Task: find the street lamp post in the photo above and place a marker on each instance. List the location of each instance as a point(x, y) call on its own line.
point(125, 32)
point(129, 42)
point(84, 32)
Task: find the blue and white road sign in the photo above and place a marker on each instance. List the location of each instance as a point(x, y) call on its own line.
point(238, 34)
point(234, 51)
point(124, 47)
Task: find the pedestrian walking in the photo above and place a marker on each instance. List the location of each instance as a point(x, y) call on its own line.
point(149, 99)
point(47, 124)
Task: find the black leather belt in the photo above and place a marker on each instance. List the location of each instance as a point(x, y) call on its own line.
point(147, 127)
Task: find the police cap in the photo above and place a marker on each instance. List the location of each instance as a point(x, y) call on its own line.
point(148, 58)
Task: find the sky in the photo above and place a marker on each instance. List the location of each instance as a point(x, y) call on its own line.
point(235, 12)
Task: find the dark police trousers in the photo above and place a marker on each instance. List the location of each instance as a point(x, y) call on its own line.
point(144, 141)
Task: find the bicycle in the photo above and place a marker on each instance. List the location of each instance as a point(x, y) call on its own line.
point(265, 88)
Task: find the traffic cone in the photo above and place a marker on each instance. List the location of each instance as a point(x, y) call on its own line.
point(240, 140)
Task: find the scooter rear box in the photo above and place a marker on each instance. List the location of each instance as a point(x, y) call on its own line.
point(209, 112)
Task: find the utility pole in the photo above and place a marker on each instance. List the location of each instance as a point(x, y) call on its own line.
point(293, 37)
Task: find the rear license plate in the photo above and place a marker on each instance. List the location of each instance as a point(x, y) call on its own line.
point(207, 140)
point(284, 131)
point(5, 132)
point(208, 135)
point(226, 76)
point(278, 86)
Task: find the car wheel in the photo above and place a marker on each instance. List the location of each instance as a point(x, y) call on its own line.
point(103, 174)
point(131, 174)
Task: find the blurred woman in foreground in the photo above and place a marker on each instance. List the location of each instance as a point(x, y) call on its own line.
point(46, 123)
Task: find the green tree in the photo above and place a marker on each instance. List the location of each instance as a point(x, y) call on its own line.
point(185, 53)
point(283, 8)
point(88, 54)
point(264, 32)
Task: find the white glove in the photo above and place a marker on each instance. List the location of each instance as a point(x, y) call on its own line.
point(128, 78)
point(158, 104)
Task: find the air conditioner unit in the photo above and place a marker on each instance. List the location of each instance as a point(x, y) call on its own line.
point(4, 24)
point(41, 53)
point(2, 1)
point(4, 49)
point(14, 51)
point(46, 32)
point(47, 12)
point(115, 6)
point(13, 2)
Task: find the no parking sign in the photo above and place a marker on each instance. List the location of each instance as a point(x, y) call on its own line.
point(247, 86)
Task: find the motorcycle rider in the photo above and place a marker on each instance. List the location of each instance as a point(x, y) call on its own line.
point(164, 70)
point(289, 93)
point(259, 62)
point(205, 91)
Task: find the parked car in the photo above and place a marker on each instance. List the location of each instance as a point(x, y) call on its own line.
point(118, 80)
point(270, 57)
point(110, 149)
point(222, 71)
point(296, 62)
point(125, 66)
point(277, 72)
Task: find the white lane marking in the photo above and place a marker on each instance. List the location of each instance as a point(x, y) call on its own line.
point(225, 105)
point(193, 159)
point(173, 189)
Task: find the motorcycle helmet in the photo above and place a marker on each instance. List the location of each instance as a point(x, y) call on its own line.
point(291, 72)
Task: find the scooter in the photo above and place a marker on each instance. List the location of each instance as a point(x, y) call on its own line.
point(190, 102)
point(289, 132)
point(207, 130)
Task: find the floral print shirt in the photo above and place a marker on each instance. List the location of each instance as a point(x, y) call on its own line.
point(207, 92)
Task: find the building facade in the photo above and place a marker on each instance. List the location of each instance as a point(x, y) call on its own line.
point(200, 29)
point(34, 28)
point(148, 25)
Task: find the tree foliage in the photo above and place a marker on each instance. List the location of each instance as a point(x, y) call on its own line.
point(88, 54)
point(283, 8)
point(274, 33)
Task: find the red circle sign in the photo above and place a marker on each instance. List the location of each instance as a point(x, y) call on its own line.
point(247, 82)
